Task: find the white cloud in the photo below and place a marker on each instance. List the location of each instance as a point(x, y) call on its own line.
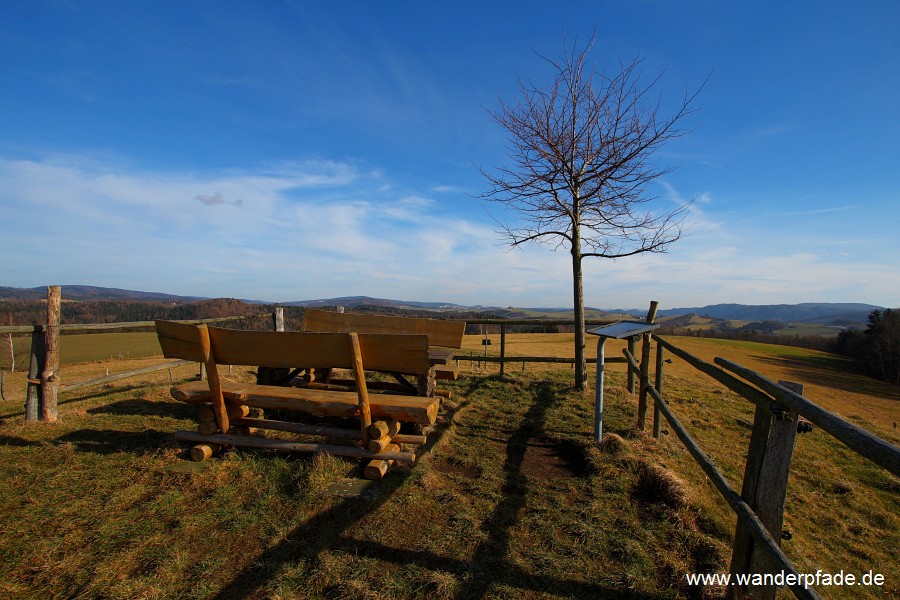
point(321, 229)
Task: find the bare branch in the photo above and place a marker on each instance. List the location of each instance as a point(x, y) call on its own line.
point(581, 162)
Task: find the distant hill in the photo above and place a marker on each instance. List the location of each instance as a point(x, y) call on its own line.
point(810, 312)
point(354, 301)
point(90, 292)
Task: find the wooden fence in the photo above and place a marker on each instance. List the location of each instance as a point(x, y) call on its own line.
point(503, 359)
point(760, 505)
point(43, 370)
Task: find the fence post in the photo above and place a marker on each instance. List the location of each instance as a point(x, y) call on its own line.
point(278, 318)
point(657, 419)
point(50, 374)
point(630, 372)
point(764, 489)
point(502, 347)
point(645, 368)
point(34, 397)
point(3, 385)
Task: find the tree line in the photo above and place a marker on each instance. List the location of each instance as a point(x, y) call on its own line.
point(88, 312)
point(877, 349)
point(32, 312)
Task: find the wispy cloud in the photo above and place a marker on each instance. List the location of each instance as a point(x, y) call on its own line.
point(215, 199)
point(321, 229)
point(821, 211)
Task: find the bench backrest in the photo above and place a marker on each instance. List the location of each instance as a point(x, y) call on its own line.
point(440, 332)
point(379, 352)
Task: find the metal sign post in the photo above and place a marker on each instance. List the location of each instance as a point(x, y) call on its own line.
point(620, 330)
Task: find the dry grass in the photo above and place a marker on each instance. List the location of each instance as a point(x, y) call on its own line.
point(513, 501)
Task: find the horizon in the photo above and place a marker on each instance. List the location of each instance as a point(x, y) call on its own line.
point(291, 151)
point(411, 302)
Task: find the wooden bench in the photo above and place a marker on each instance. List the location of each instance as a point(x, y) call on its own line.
point(441, 332)
point(224, 406)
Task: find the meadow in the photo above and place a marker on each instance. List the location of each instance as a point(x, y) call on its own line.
point(513, 499)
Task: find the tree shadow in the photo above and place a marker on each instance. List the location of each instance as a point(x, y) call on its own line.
point(489, 565)
point(109, 441)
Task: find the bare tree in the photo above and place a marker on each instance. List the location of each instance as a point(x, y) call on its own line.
point(581, 151)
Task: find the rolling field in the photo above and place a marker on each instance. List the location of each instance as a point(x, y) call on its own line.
point(514, 500)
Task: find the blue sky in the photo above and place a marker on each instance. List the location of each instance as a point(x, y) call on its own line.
point(297, 150)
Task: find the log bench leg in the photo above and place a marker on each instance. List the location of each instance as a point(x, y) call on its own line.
point(377, 468)
point(202, 452)
point(207, 417)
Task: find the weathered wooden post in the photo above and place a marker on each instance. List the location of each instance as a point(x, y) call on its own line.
point(502, 347)
point(657, 419)
point(645, 368)
point(33, 396)
point(278, 318)
point(764, 489)
point(630, 372)
point(50, 373)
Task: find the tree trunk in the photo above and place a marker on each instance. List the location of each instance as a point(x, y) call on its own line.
point(578, 293)
point(50, 374)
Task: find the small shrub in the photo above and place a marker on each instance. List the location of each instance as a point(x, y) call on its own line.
point(656, 484)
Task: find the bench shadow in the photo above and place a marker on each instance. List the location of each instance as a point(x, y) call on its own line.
point(489, 565)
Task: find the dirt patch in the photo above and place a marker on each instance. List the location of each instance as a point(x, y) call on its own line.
point(548, 459)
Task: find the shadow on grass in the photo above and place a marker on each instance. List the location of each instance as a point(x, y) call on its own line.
point(107, 441)
point(835, 372)
point(100, 393)
point(489, 565)
point(10, 440)
point(139, 406)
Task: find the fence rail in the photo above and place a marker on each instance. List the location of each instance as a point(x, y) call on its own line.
point(124, 375)
point(43, 369)
point(75, 327)
point(760, 505)
point(859, 440)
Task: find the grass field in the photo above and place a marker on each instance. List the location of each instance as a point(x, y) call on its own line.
point(513, 501)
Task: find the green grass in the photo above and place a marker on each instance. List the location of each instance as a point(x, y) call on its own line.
point(513, 501)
